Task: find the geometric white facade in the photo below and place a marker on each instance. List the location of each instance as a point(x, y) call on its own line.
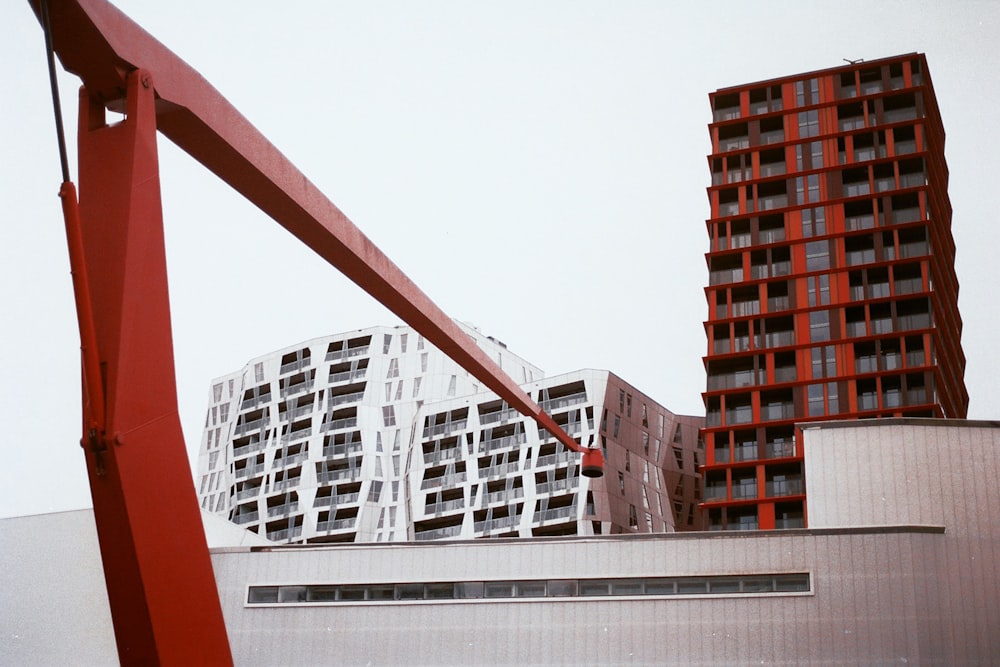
point(376, 436)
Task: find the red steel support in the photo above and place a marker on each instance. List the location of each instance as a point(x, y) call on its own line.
point(160, 584)
point(159, 576)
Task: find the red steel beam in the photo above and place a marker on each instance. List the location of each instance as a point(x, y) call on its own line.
point(101, 45)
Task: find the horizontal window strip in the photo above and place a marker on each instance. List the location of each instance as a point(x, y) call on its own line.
point(698, 586)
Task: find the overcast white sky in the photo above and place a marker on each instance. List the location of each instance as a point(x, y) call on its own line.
point(538, 168)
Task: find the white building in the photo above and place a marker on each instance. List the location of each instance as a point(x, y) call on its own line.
point(376, 436)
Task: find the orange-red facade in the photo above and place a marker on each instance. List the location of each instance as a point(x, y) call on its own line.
point(832, 290)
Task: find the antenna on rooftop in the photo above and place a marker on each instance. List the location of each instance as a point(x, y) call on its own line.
point(853, 62)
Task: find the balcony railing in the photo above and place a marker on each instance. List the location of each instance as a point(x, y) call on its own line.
point(554, 404)
point(743, 491)
point(347, 376)
point(779, 450)
point(283, 509)
point(444, 480)
point(293, 366)
point(715, 492)
point(558, 485)
point(438, 533)
point(336, 524)
point(497, 524)
point(347, 398)
point(249, 471)
point(542, 516)
point(499, 416)
point(337, 355)
point(338, 474)
point(487, 446)
point(284, 484)
point(437, 456)
point(503, 496)
point(248, 492)
point(337, 500)
point(298, 388)
point(501, 470)
point(284, 534)
point(787, 487)
point(338, 424)
point(246, 517)
point(556, 459)
point(448, 427)
point(248, 449)
point(445, 506)
point(774, 411)
point(342, 449)
point(246, 427)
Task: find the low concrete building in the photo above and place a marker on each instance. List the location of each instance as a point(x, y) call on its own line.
point(900, 564)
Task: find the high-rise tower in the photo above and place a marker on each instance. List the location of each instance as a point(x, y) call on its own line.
point(832, 290)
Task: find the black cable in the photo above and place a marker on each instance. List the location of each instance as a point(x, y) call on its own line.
point(56, 106)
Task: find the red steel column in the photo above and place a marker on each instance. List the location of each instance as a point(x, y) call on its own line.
point(164, 601)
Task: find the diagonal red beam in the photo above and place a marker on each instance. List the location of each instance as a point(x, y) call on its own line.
point(100, 44)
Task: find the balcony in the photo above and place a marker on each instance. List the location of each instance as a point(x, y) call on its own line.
point(337, 500)
point(725, 277)
point(293, 366)
point(443, 481)
point(438, 456)
point(247, 427)
point(733, 144)
point(558, 485)
point(488, 446)
point(779, 449)
point(284, 534)
point(776, 411)
point(284, 484)
point(339, 355)
point(295, 389)
point(558, 458)
point(255, 401)
point(248, 492)
point(246, 517)
point(336, 524)
point(502, 470)
point(287, 508)
point(256, 446)
point(292, 414)
point(557, 514)
point(772, 137)
point(338, 424)
point(448, 427)
point(346, 398)
point(503, 496)
point(250, 470)
point(554, 404)
point(445, 506)
point(501, 523)
point(296, 435)
point(715, 492)
point(438, 533)
point(348, 376)
point(787, 487)
point(289, 461)
point(324, 476)
point(741, 414)
point(342, 449)
point(744, 491)
point(499, 416)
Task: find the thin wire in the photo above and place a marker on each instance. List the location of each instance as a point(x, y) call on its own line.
point(53, 84)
